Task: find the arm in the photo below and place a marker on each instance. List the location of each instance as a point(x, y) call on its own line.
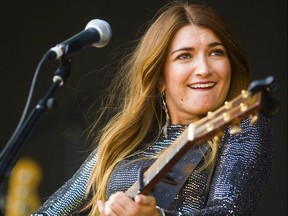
point(69, 199)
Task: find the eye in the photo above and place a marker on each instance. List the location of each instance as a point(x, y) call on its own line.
point(218, 52)
point(184, 56)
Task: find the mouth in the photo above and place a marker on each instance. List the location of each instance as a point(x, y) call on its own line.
point(202, 85)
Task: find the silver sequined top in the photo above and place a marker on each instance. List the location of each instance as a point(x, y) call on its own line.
point(241, 172)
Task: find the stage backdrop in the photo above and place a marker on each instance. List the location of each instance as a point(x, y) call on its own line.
point(30, 28)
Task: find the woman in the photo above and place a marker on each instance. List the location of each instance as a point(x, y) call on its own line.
point(186, 64)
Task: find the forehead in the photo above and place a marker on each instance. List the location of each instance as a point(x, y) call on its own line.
point(193, 35)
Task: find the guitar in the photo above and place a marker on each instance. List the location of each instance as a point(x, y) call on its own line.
point(257, 97)
point(22, 196)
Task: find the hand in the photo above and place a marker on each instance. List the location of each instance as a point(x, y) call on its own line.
point(119, 204)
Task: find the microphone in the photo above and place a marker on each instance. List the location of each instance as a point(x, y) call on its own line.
point(97, 33)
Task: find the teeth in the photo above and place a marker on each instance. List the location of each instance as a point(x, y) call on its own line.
point(206, 85)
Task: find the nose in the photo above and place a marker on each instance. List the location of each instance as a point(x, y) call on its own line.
point(202, 66)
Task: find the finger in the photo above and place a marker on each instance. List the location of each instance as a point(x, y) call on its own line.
point(121, 199)
point(118, 204)
point(113, 209)
point(145, 200)
point(101, 207)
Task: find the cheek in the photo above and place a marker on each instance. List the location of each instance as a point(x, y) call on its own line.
point(226, 85)
point(171, 79)
point(224, 72)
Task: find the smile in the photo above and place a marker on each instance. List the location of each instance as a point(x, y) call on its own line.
point(203, 85)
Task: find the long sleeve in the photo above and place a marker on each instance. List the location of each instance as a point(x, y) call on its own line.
point(243, 167)
point(242, 171)
point(69, 199)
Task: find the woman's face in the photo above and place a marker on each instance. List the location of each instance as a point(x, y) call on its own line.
point(197, 74)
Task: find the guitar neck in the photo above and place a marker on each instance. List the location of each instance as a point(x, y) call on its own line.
point(230, 113)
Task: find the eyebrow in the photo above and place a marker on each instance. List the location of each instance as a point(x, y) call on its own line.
point(191, 48)
point(182, 49)
point(216, 44)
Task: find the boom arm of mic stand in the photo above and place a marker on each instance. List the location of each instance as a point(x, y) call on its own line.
point(12, 150)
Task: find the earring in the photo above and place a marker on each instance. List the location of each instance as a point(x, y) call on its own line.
point(164, 107)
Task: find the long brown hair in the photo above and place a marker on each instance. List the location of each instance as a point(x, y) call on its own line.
point(136, 85)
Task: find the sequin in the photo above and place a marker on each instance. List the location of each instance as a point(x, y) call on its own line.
point(242, 170)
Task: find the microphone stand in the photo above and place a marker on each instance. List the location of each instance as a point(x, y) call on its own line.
point(12, 150)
